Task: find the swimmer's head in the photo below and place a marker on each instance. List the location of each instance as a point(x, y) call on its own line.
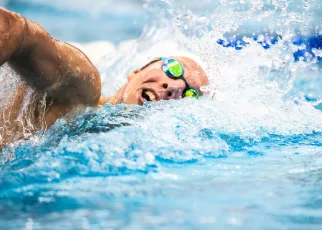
point(153, 83)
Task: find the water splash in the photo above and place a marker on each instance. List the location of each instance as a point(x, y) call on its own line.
point(246, 155)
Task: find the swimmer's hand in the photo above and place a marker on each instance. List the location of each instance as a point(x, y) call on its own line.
point(50, 66)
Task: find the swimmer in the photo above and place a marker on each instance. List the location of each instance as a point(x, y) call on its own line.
point(63, 78)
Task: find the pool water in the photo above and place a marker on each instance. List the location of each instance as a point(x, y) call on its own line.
point(246, 156)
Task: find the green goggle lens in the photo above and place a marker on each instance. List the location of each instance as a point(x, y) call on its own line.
point(172, 68)
point(191, 93)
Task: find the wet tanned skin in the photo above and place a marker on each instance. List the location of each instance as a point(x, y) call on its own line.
point(49, 66)
point(68, 79)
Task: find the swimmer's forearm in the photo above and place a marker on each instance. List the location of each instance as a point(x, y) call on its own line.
point(12, 28)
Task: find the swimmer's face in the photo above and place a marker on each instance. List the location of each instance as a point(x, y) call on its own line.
point(152, 84)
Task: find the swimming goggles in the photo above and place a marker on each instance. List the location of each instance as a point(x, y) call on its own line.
point(174, 70)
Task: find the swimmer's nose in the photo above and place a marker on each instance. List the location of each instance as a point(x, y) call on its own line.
point(171, 92)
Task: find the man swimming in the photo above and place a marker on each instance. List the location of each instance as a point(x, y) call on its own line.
point(63, 78)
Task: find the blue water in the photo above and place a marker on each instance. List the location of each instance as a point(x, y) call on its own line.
point(248, 158)
point(106, 170)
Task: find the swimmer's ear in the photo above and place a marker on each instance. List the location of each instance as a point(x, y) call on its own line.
point(133, 74)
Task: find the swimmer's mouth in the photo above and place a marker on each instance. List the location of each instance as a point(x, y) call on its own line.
point(148, 95)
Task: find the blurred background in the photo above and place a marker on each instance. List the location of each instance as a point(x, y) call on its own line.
point(84, 21)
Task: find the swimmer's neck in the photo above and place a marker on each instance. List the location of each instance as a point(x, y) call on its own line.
point(113, 100)
point(110, 100)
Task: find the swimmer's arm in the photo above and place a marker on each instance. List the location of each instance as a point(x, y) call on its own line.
point(48, 65)
point(11, 29)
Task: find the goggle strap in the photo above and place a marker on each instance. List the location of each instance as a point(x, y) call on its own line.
point(151, 62)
